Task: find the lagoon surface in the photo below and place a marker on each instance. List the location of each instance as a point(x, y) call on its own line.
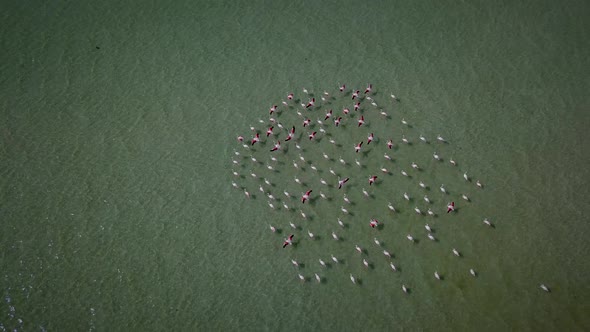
point(118, 123)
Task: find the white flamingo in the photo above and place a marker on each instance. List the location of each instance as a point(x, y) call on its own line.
point(390, 207)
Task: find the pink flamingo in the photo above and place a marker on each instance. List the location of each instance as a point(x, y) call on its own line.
point(255, 139)
point(276, 147)
point(361, 121)
point(450, 207)
point(372, 179)
point(328, 115)
point(357, 148)
point(305, 196)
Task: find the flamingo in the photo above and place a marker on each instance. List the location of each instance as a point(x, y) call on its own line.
point(372, 179)
point(255, 139)
point(361, 121)
point(450, 207)
point(357, 147)
point(365, 193)
point(341, 182)
point(328, 115)
point(305, 196)
point(406, 196)
point(390, 207)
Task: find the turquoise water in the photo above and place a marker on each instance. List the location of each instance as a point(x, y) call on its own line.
point(116, 207)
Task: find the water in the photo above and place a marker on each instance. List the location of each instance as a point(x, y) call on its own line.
point(117, 213)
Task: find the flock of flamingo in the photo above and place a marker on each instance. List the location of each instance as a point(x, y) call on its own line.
point(289, 136)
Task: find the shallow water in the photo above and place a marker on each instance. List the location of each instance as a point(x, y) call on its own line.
point(116, 207)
